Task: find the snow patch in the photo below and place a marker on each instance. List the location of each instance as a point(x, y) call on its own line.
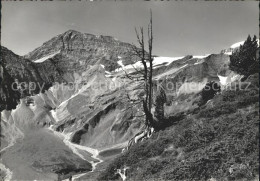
point(228, 53)
point(122, 173)
point(222, 80)
point(62, 104)
point(200, 61)
point(107, 72)
point(46, 57)
point(114, 79)
point(158, 61)
point(201, 56)
point(164, 60)
point(54, 115)
point(107, 76)
point(103, 66)
point(120, 62)
point(236, 45)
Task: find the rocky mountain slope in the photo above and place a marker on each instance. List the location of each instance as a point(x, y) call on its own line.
point(78, 50)
point(22, 74)
point(218, 141)
point(63, 97)
point(81, 93)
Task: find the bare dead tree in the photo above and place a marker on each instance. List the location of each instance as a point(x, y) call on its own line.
point(144, 75)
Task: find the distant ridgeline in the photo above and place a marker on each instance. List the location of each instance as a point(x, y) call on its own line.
point(66, 57)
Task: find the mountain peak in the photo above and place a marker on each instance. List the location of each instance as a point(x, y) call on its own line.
point(70, 32)
point(83, 48)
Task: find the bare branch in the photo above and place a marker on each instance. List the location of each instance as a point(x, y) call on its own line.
point(127, 109)
point(139, 116)
point(138, 71)
point(138, 36)
point(134, 78)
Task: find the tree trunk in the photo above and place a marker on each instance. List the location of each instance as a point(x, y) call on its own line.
point(149, 117)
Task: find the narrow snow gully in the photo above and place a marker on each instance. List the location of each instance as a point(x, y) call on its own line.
point(75, 147)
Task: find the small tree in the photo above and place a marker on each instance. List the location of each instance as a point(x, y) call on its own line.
point(244, 60)
point(160, 100)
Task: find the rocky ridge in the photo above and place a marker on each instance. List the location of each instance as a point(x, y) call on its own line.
point(82, 49)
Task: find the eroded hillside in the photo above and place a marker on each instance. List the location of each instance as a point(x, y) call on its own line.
point(81, 103)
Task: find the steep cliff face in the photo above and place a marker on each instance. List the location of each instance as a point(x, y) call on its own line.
point(21, 77)
point(67, 94)
point(24, 70)
point(9, 97)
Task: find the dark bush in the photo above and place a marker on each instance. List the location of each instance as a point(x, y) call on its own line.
point(209, 91)
point(244, 60)
point(219, 109)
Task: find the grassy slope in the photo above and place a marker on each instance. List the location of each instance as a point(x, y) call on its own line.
point(218, 141)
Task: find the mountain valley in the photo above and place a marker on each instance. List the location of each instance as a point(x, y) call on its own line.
point(65, 112)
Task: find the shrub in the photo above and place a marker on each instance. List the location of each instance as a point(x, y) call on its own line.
point(219, 109)
point(209, 91)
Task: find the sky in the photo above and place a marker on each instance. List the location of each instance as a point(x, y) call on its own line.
point(180, 28)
